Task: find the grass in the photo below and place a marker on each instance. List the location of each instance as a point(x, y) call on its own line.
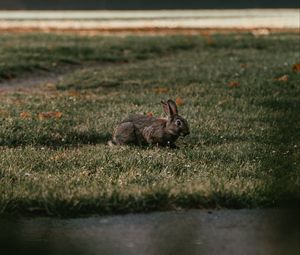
point(25, 54)
point(243, 151)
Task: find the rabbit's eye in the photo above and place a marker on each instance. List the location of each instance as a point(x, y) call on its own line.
point(178, 123)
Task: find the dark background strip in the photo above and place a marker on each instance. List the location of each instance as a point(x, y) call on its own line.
point(143, 4)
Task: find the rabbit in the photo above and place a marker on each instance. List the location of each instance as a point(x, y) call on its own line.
point(144, 129)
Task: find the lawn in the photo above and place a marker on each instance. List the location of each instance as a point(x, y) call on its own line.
point(239, 93)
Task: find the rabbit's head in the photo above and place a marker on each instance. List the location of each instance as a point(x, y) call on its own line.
point(176, 125)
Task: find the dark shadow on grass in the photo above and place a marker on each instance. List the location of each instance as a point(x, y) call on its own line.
point(73, 139)
point(88, 138)
point(91, 84)
point(282, 161)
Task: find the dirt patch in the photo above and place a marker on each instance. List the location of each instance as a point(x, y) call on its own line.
point(147, 30)
point(41, 80)
point(29, 81)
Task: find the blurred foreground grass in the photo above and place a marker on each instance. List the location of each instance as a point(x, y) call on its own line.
point(241, 98)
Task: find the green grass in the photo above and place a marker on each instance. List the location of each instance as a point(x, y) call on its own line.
point(24, 54)
point(243, 151)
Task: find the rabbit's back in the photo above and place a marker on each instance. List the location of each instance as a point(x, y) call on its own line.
point(139, 129)
point(140, 121)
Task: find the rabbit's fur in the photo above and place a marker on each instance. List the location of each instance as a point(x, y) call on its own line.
point(144, 129)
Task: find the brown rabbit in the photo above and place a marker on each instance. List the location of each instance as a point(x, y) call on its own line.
point(144, 129)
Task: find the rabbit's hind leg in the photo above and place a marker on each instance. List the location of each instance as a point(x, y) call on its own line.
point(125, 134)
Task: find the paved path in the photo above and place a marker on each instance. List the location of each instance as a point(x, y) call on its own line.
point(232, 232)
point(191, 19)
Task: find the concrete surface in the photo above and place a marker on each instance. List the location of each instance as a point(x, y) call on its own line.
point(232, 232)
point(245, 18)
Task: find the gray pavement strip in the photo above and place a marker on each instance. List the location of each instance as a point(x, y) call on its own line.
point(268, 231)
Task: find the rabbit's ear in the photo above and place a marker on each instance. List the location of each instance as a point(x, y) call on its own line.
point(173, 107)
point(166, 108)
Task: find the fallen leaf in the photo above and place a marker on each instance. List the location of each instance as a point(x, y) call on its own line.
point(25, 115)
point(150, 114)
point(284, 78)
point(296, 67)
point(179, 101)
point(233, 84)
point(58, 115)
point(48, 115)
point(73, 93)
point(160, 90)
point(43, 115)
